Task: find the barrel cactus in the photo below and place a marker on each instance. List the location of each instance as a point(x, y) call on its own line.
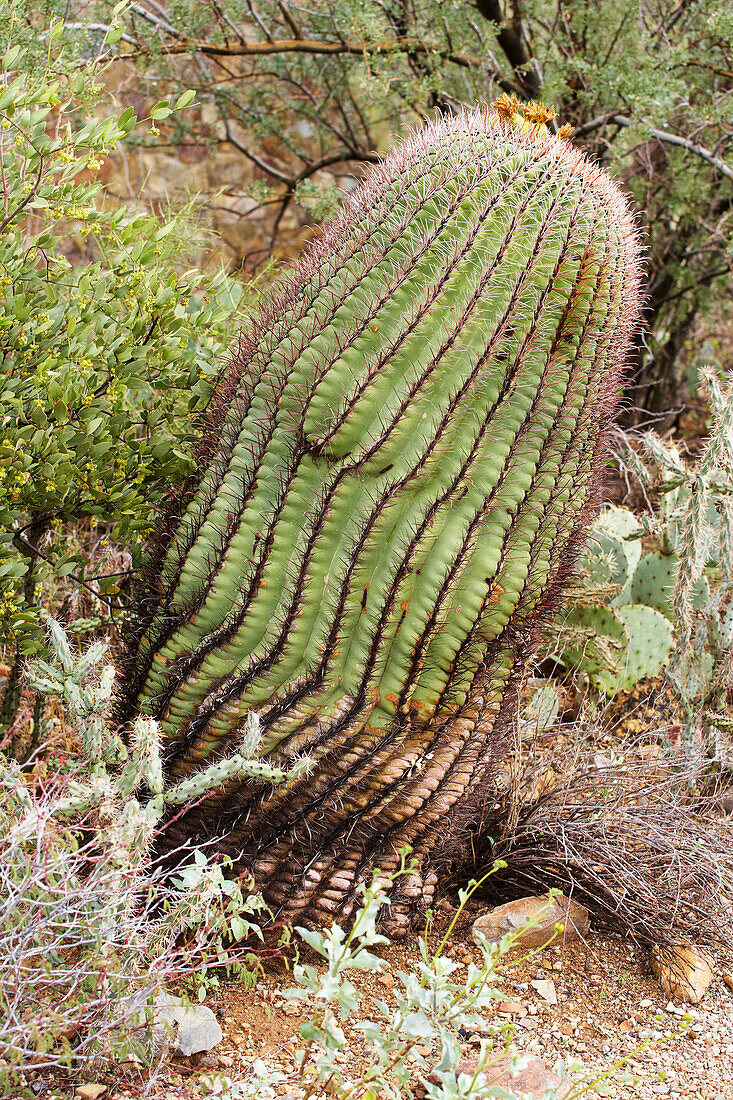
point(393, 488)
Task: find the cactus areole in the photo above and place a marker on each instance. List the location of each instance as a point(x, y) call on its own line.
point(394, 485)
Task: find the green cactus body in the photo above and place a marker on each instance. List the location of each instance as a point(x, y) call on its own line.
point(393, 489)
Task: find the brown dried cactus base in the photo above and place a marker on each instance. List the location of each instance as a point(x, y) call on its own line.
point(308, 844)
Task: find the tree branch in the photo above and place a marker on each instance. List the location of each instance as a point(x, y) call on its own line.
point(660, 135)
point(512, 39)
point(303, 45)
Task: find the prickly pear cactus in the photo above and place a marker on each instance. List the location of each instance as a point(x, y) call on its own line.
point(395, 482)
point(618, 629)
point(653, 584)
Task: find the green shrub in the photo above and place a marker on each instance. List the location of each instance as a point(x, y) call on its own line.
point(109, 350)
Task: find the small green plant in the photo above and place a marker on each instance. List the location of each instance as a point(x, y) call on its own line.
point(429, 1008)
point(108, 347)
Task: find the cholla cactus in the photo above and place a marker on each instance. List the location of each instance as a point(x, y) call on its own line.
point(89, 933)
point(124, 785)
point(393, 487)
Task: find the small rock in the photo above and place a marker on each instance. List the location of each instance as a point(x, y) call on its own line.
point(528, 1022)
point(195, 1027)
point(511, 1008)
point(542, 916)
point(386, 980)
point(293, 1008)
point(685, 973)
point(89, 1092)
point(546, 990)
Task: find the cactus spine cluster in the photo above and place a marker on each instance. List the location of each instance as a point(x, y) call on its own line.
point(395, 482)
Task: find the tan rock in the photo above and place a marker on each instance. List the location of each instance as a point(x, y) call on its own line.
point(546, 990)
point(89, 1092)
point(684, 974)
point(511, 1008)
point(528, 1022)
point(540, 915)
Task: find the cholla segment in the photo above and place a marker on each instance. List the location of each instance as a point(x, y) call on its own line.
point(392, 491)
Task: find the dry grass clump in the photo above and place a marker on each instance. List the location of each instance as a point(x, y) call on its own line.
point(630, 840)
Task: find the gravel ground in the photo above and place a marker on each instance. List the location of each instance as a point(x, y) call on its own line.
point(608, 1007)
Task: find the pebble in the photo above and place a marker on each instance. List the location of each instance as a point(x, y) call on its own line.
point(546, 990)
point(511, 1008)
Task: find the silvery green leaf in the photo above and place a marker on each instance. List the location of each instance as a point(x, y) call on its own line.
point(314, 939)
point(365, 960)
point(450, 1052)
point(330, 984)
point(417, 1026)
point(348, 999)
